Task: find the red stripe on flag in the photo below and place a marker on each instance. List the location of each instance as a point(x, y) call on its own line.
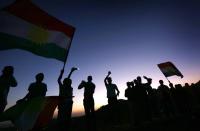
point(165, 65)
point(169, 69)
point(28, 11)
point(47, 112)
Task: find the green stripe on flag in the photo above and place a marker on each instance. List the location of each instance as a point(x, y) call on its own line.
point(49, 50)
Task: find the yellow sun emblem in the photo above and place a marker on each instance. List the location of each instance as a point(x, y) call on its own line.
point(38, 35)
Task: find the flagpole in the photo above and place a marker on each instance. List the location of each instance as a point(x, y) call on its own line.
point(167, 79)
point(68, 51)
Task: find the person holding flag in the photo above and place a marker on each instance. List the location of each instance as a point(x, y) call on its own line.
point(24, 25)
point(65, 107)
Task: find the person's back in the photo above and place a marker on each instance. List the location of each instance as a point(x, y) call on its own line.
point(129, 90)
point(65, 88)
point(111, 90)
point(89, 90)
point(164, 92)
point(37, 90)
point(88, 102)
point(140, 90)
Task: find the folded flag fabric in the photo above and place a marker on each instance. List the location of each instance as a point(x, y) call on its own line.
point(23, 25)
point(169, 69)
point(33, 114)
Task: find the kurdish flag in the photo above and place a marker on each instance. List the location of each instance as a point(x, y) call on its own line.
point(34, 114)
point(25, 26)
point(169, 69)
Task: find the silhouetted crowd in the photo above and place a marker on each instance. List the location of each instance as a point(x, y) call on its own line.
point(144, 102)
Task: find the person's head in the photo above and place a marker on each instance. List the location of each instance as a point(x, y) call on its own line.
point(89, 78)
point(109, 80)
point(128, 84)
point(67, 82)
point(39, 77)
point(171, 85)
point(178, 86)
point(187, 85)
point(149, 81)
point(8, 70)
point(161, 82)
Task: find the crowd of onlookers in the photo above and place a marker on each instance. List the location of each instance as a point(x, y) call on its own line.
point(146, 102)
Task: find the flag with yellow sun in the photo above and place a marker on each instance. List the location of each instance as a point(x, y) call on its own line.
point(25, 26)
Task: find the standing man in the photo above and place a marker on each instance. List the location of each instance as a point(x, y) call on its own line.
point(88, 102)
point(7, 80)
point(65, 107)
point(165, 99)
point(36, 89)
point(111, 90)
point(112, 99)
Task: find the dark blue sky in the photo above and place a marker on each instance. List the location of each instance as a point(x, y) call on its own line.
point(128, 37)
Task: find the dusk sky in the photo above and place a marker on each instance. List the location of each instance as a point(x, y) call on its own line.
point(127, 37)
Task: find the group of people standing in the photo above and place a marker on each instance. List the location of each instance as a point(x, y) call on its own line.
point(39, 89)
point(144, 101)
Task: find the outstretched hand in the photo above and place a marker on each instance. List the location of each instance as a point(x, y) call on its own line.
point(74, 68)
point(145, 77)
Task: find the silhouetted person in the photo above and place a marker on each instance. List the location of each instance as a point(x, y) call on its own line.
point(149, 98)
point(36, 89)
point(111, 90)
point(128, 91)
point(112, 99)
point(165, 99)
point(129, 95)
point(173, 95)
point(140, 101)
point(65, 107)
point(7, 80)
point(88, 101)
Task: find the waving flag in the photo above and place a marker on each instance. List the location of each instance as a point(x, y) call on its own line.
point(33, 114)
point(25, 26)
point(169, 69)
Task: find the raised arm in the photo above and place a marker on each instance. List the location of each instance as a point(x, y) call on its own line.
point(60, 77)
point(72, 70)
point(81, 85)
point(117, 90)
point(105, 80)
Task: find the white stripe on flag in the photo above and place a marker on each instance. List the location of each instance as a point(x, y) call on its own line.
point(13, 25)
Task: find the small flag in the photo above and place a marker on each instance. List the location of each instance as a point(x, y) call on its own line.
point(23, 25)
point(169, 69)
point(33, 114)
